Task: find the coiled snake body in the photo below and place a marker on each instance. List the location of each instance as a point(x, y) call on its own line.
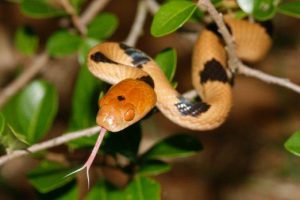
point(137, 75)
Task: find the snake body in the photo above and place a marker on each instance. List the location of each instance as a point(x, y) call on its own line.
point(115, 62)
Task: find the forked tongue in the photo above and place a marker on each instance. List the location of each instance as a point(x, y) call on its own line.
point(92, 156)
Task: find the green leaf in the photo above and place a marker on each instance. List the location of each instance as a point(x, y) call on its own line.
point(63, 43)
point(26, 41)
point(125, 142)
point(77, 4)
point(143, 188)
point(180, 145)
point(32, 111)
point(167, 59)
point(264, 9)
point(140, 188)
point(2, 124)
point(153, 167)
point(8, 140)
point(85, 46)
point(103, 26)
point(40, 9)
point(171, 16)
point(48, 176)
point(84, 106)
point(72, 193)
point(293, 144)
point(290, 8)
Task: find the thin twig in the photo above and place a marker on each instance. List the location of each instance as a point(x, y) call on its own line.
point(92, 10)
point(75, 19)
point(247, 71)
point(50, 143)
point(234, 61)
point(38, 63)
point(137, 27)
point(152, 6)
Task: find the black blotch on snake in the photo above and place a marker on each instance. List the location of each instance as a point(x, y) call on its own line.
point(99, 57)
point(138, 57)
point(213, 71)
point(186, 107)
point(148, 80)
point(268, 26)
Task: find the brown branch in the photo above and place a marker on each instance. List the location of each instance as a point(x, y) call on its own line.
point(137, 27)
point(50, 143)
point(92, 10)
point(152, 6)
point(75, 19)
point(38, 63)
point(234, 61)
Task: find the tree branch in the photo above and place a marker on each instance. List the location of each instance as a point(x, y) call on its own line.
point(75, 19)
point(50, 143)
point(92, 10)
point(137, 27)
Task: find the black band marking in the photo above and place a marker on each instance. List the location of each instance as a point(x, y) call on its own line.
point(213, 71)
point(268, 26)
point(148, 80)
point(185, 107)
point(99, 57)
point(138, 57)
point(121, 98)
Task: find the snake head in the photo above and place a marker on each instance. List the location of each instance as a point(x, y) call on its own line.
point(115, 115)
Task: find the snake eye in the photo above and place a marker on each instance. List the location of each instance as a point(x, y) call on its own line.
point(129, 114)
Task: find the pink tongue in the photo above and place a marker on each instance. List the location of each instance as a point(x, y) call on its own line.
point(92, 156)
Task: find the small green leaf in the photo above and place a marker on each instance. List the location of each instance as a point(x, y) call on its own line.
point(77, 4)
point(125, 142)
point(264, 9)
point(103, 26)
point(40, 9)
point(167, 59)
point(293, 144)
point(171, 16)
point(48, 176)
point(26, 41)
point(140, 188)
point(85, 46)
point(143, 188)
point(153, 167)
point(63, 43)
point(180, 145)
point(8, 139)
point(2, 124)
point(32, 111)
point(84, 106)
point(290, 8)
point(72, 193)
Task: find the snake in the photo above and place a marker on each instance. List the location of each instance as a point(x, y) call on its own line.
point(139, 83)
